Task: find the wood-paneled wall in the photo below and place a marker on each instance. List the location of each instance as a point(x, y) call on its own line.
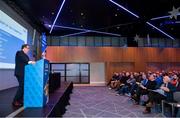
point(116, 59)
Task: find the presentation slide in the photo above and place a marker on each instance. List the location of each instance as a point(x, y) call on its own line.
point(12, 36)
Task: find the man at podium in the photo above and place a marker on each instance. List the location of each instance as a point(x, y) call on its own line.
point(21, 60)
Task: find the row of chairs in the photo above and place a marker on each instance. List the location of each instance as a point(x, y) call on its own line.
point(174, 105)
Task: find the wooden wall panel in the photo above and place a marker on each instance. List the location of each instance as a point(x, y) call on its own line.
point(177, 53)
point(142, 58)
point(154, 66)
point(119, 67)
point(159, 66)
point(110, 54)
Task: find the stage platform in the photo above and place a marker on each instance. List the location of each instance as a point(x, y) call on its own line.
point(55, 107)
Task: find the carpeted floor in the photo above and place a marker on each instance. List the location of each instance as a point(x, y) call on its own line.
point(102, 102)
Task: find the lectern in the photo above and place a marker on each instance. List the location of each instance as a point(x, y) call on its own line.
point(36, 85)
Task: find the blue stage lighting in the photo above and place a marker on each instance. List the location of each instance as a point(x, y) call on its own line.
point(73, 34)
point(85, 30)
point(107, 33)
point(57, 16)
point(161, 17)
point(72, 28)
point(160, 30)
point(122, 7)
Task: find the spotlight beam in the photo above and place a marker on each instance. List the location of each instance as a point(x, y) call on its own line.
point(122, 7)
point(107, 33)
point(57, 16)
point(72, 28)
point(86, 30)
point(160, 30)
point(73, 34)
point(161, 17)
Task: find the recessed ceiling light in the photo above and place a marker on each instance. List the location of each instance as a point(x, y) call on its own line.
point(115, 15)
point(82, 14)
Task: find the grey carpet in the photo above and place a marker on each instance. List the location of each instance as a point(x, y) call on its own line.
point(102, 102)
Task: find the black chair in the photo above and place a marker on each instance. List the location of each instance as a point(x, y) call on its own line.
point(175, 104)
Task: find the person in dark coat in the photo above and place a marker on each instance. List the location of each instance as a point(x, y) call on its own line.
point(21, 60)
point(165, 92)
point(144, 87)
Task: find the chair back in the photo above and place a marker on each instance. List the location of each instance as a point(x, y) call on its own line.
point(177, 96)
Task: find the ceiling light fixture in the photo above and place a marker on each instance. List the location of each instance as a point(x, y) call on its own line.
point(73, 34)
point(57, 16)
point(86, 30)
point(139, 17)
point(122, 7)
point(161, 17)
point(160, 30)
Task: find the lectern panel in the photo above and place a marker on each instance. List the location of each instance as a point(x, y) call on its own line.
point(36, 86)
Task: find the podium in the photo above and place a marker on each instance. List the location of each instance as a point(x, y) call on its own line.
point(36, 85)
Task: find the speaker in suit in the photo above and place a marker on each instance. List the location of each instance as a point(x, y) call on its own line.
point(21, 60)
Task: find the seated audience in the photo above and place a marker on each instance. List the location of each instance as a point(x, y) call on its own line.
point(158, 79)
point(114, 81)
point(165, 92)
point(174, 81)
point(123, 80)
point(143, 88)
point(127, 86)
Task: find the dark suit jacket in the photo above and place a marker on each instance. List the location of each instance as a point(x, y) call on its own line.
point(169, 94)
point(21, 60)
point(151, 85)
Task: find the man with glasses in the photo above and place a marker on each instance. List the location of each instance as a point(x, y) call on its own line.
point(21, 60)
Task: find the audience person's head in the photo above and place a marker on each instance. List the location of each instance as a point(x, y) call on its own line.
point(127, 74)
point(131, 76)
point(166, 79)
point(175, 77)
point(151, 77)
point(144, 76)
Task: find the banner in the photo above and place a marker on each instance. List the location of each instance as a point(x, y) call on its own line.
point(43, 43)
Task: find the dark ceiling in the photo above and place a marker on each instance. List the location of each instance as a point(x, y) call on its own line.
point(102, 15)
